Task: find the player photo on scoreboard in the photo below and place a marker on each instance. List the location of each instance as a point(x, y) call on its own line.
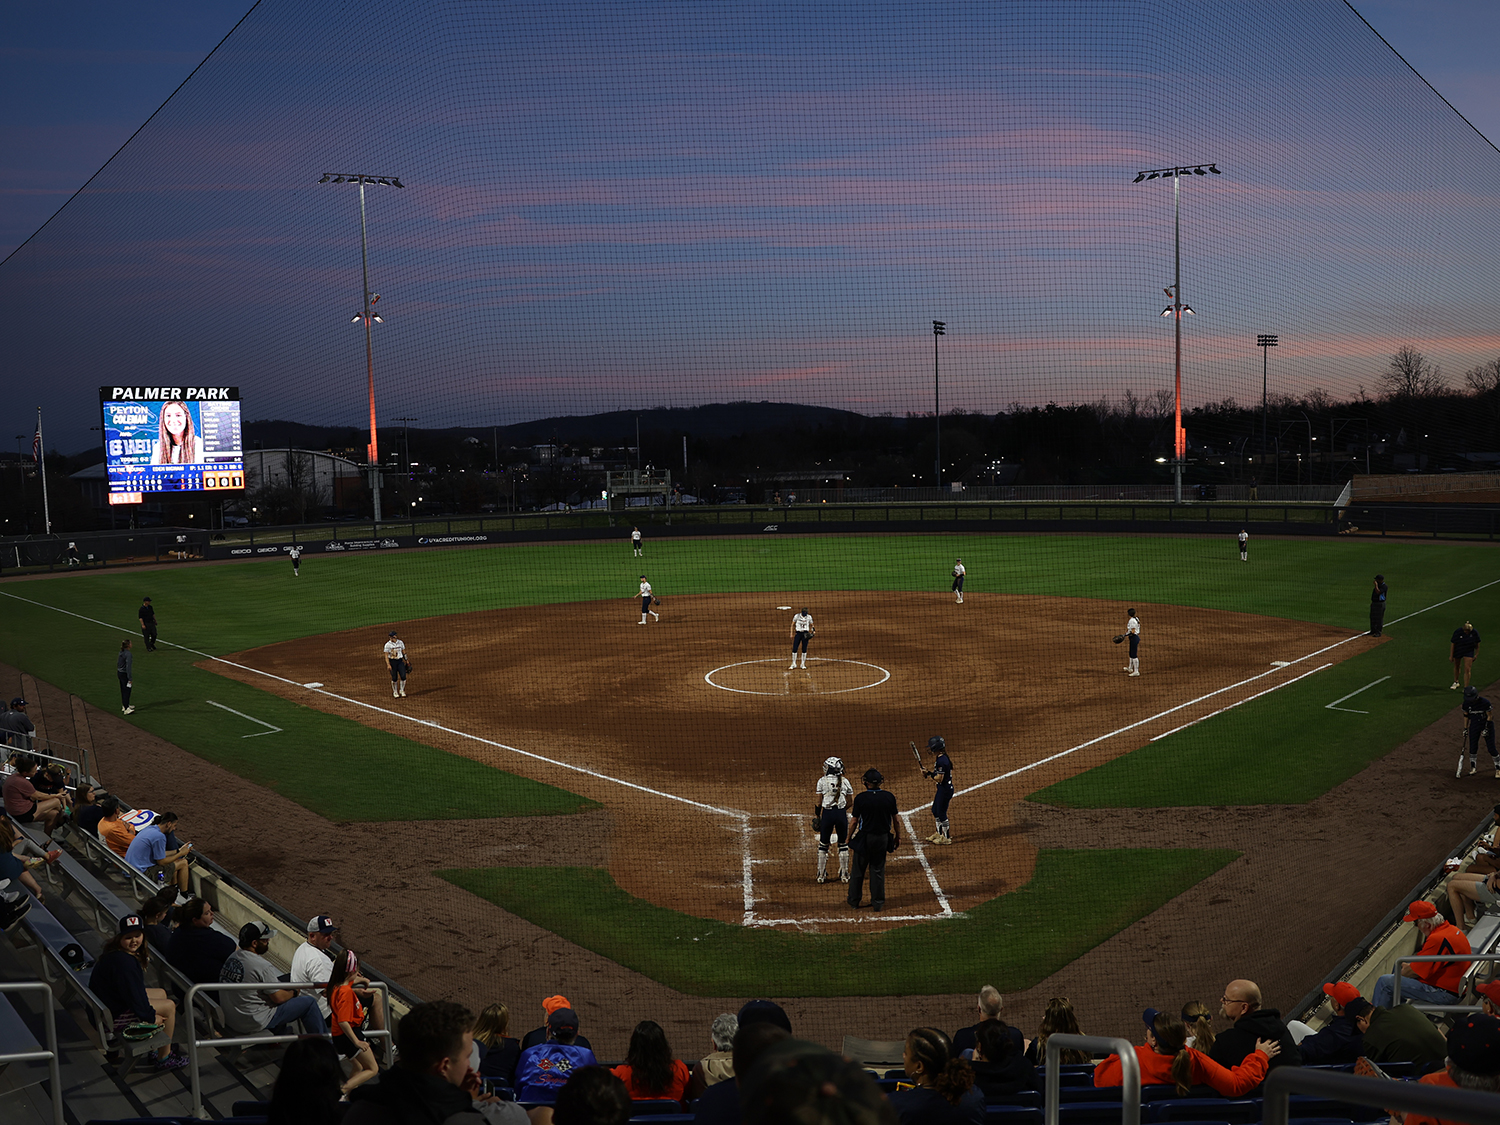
point(160, 439)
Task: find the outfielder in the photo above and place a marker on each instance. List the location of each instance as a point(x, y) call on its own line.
point(646, 600)
point(296, 553)
point(1479, 720)
point(958, 579)
point(831, 817)
point(942, 770)
point(1133, 635)
point(395, 660)
point(802, 631)
point(1244, 545)
point(635, 541)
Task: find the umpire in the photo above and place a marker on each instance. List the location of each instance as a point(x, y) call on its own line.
point(876, 835)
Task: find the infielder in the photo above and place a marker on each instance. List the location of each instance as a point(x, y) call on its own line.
point(958, 579)
point(1479, 720)
point(1133, 635)
point(395, 660)
point(831, 818)
point(1463, 647)
point(942, 770)
point(646, 600)
point(802, 631)
point(1244, 545)
point(635, 541)
point(296, 553)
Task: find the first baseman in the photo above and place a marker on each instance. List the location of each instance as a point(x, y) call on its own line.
point(395, 660)
point(802, 631)
point(831, 817)
point(942, 770)
point(958, 579)
point(1133, 634)
point(646, 600)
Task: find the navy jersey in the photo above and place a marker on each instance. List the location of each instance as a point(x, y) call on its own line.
point(1465, 644)
point(943, 770)
point(1477, 708)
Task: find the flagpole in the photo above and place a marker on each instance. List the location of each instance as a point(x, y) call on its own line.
point(41, 468)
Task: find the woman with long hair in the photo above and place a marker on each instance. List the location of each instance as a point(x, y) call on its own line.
point(1058, 1019)
point(942, 1087)
point(1199, 1019)
point(119, 979)
point(499, 1052)
point(349, 1020)
point(308, 1085)
point(649, 1070)
point(1165, 1058)
point(176, 438)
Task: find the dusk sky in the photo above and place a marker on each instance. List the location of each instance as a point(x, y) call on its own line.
point(631, 205)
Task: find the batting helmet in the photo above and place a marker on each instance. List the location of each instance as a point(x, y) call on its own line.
point(1471, 692)
point(936, 744)
point(833, 765)
point(873, 776)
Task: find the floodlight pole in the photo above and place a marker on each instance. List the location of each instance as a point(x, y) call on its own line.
point(939, 328)
point(1264, 342)
point(41, 470)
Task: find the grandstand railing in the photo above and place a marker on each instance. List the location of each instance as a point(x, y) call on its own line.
point(1491, 958)
point(50, 1055)
point(1130, 1073)
point(194, 1044)
point(1408, 1097)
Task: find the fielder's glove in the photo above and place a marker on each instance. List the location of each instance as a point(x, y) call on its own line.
point(1120, 639)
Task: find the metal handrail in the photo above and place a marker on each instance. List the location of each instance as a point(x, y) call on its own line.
point(1396, 984)
point(49, 1021)
point(195, 1078)
point(1130, 1073)
point(1407, 1097)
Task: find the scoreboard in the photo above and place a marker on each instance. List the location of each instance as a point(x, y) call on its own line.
point(171, 439)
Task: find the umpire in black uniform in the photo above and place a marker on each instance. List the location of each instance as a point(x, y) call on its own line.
point(876, 835)
point(1377, 605)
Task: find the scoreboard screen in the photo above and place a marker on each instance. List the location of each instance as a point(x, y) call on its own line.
point(172, 439)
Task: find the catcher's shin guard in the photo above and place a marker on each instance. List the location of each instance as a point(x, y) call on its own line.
point(822, 862)
point(844, 864)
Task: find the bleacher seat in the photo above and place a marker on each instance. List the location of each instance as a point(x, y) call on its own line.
point(641, 1107)
point(1089, 1113)
point(250, 1109)
point(1013, 1115)
point(1237, 1111)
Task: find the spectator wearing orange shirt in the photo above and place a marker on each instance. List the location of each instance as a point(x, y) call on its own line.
point(114, 831)
point(1473, 1064)
point(1166, 1059)
point(349, 1020)
point(649, 1070)
point(1428, 982)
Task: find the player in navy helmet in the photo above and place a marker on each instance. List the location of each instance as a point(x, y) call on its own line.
point(942, 770)
point(1479, 721)
point(831, 817)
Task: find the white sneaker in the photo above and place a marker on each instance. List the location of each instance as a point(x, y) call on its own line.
point(1135, 673)
point(844, 875)
point(1453, 686)
point(403, 691)
point(1473, 768)
point(1126, 668)
point(127, 710)
point(656, 615)
point(791, 666)
point(642, 621)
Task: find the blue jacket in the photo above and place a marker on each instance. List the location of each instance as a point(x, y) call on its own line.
point(1339, 1042)
point(543, 1070)
point(120, 982)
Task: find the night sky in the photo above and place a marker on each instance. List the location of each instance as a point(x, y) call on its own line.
point(630, 205)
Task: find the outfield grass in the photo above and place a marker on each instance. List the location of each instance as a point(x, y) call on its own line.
point(1012, 941)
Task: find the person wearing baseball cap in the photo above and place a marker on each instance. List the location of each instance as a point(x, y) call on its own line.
point(1428, 982)
point(539, 1034)
point(1473, 1062)
point(249, 1012)
point(1479, 723)
point(119, 979)
point(1342, 1038)
point(312, 964)
point(16, 727)
point(543, 1070)
point(397, 664)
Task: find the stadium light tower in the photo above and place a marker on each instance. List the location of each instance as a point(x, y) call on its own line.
point(1264, 342)
point(1177, 308)
point(939, 328)
point(366, 314)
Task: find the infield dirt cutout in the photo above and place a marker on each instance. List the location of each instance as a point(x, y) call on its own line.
point(705, 747)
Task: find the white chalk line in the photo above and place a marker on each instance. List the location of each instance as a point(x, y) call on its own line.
point(1237, 702)
point(252, 718)
point(709, 677)
point(1354, 710)
point(911, 834)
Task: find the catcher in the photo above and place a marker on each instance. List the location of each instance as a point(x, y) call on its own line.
point(802, 632)
point(942, 770)
point(831, 818)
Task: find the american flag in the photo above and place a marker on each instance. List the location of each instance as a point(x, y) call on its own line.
point(36, 450)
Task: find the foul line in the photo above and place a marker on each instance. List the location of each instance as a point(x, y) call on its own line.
point(1247, 699)
point(1434, 605)
point(911, 834)
point(1352, 710)
point(252, 718)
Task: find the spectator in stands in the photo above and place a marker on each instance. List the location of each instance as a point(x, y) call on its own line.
point(148, 852)
point(989, 1012)
point(590, 1096)
point(999, 1065)
point(112, 828)
point(805, 1082)
point(542, 1069)
point(18, 855)
point(1058, 1019)
point(155, 912)
point(16, 727)
point(944, 1083)
point(1404, 1034)
point(720, 1103)
point(1250, 1024)
point(718, 1065)
point(23, 802)
point(1166, 1059)
point(196, 948)
point(119, 979)
point(87, 811)
point(539, 1034)
point(499, 1051)
point(1468, 891)
point(349, 1020)
point(1473, 1063)
point(1487, 855)
point(649, 1070)
point(1342, 1039)
point(1489, 997)
point(431, 1082)
point(765, 1011)
point(271, 1009)
point(1198, 1018)
point(308, 1085)
point(1428, 982)
point(311, 963)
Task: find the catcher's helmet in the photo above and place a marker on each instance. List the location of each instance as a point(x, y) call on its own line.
point(936, 744)
point(1471, 692)
point(873, 776)
point(833, 765)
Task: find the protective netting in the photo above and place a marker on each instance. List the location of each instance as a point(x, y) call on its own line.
point(609, 207)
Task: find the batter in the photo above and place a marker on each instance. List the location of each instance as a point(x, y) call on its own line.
point(942, 770)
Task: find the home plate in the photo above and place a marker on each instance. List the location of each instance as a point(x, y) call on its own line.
point(1274, 664)
point(314, 684)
